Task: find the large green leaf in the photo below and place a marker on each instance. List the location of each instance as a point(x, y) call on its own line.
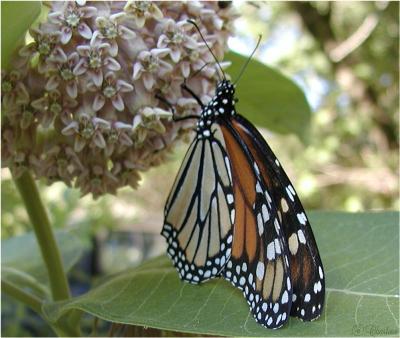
point(270, 99)
point(22, 263)
point(360, 253)
point(16, 17)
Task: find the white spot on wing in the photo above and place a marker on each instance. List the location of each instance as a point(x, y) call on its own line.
point(285, 297)
point(277, 246)
point(260, 224)
point(289, 193)
point(302, 239)
point(293, 244)
point(228, 167)
point(233, 216)
point(260, 270)
point(302, 218)
point(265, 213)
point(271, 251)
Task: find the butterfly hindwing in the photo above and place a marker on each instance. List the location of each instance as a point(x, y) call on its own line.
point(306, 267)
point(258, 265)
point(198, 225)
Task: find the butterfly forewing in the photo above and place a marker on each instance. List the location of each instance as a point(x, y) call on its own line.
point(306, 267)
point(258, 265)
point(198, 224)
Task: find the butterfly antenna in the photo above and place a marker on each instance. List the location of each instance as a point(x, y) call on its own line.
point(248, 60)
point(215, 58)
point(198, 71)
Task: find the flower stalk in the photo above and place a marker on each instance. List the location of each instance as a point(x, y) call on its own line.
point(44, 234)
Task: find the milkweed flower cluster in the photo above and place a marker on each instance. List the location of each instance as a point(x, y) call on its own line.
point(82, 102)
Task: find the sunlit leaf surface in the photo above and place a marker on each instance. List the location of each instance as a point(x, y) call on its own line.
point(360, 253)
point(16, 17)
point(268, 98)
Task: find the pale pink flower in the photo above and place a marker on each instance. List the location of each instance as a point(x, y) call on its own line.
point(150, 66)
point(98, 87)
point(87, 130)
point(119, 135)
point(111, 29)
point(95, 58)
point(111, 90)
point(13, 90)
point(63, 74)
point(45, 41)
point(50, 105)
point(142, 10)
point(175, 36)
point(70, 18)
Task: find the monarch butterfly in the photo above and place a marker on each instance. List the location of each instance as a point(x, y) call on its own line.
point(233, 212)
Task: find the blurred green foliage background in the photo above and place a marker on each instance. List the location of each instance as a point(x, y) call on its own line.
point(344, 55)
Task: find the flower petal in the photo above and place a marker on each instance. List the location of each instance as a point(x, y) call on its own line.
point(55, 17)
point(125, 139)
point(40, 104)
point(185, 69)
point(66, 34)
point(137, 121)
point(97, 77)
point(175, 55)
point(117, 17)
point(85, 31)
point(71, 128)
point(157, 14)
point(112, 64)
point(72, 89)
point(140, 21)
point(98, 102)
point(80, 68)
point(79, 143)
point(83, 50)
point(122, 126)
point(73, 59)
point(117, 102)
point(101, 123)
point(113, 51)
point(99, 140)
point(137, 68)
point(124, 86)
point(160, 52)
point(22, 95)
point(58, 55)
point(52, 82)
point(148, 81)
point(88, 11)
point(162, 41)
point(27, 50)
point(126, 33)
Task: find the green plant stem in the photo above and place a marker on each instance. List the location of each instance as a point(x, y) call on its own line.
point(30, 300)
point(45, 236)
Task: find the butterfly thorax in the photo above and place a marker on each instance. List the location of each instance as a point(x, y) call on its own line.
point(222, 104)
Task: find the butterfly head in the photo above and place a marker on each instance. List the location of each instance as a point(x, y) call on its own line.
point(223, 101)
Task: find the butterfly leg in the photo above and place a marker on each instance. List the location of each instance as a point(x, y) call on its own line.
point(170, 106)
point(185, 87)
